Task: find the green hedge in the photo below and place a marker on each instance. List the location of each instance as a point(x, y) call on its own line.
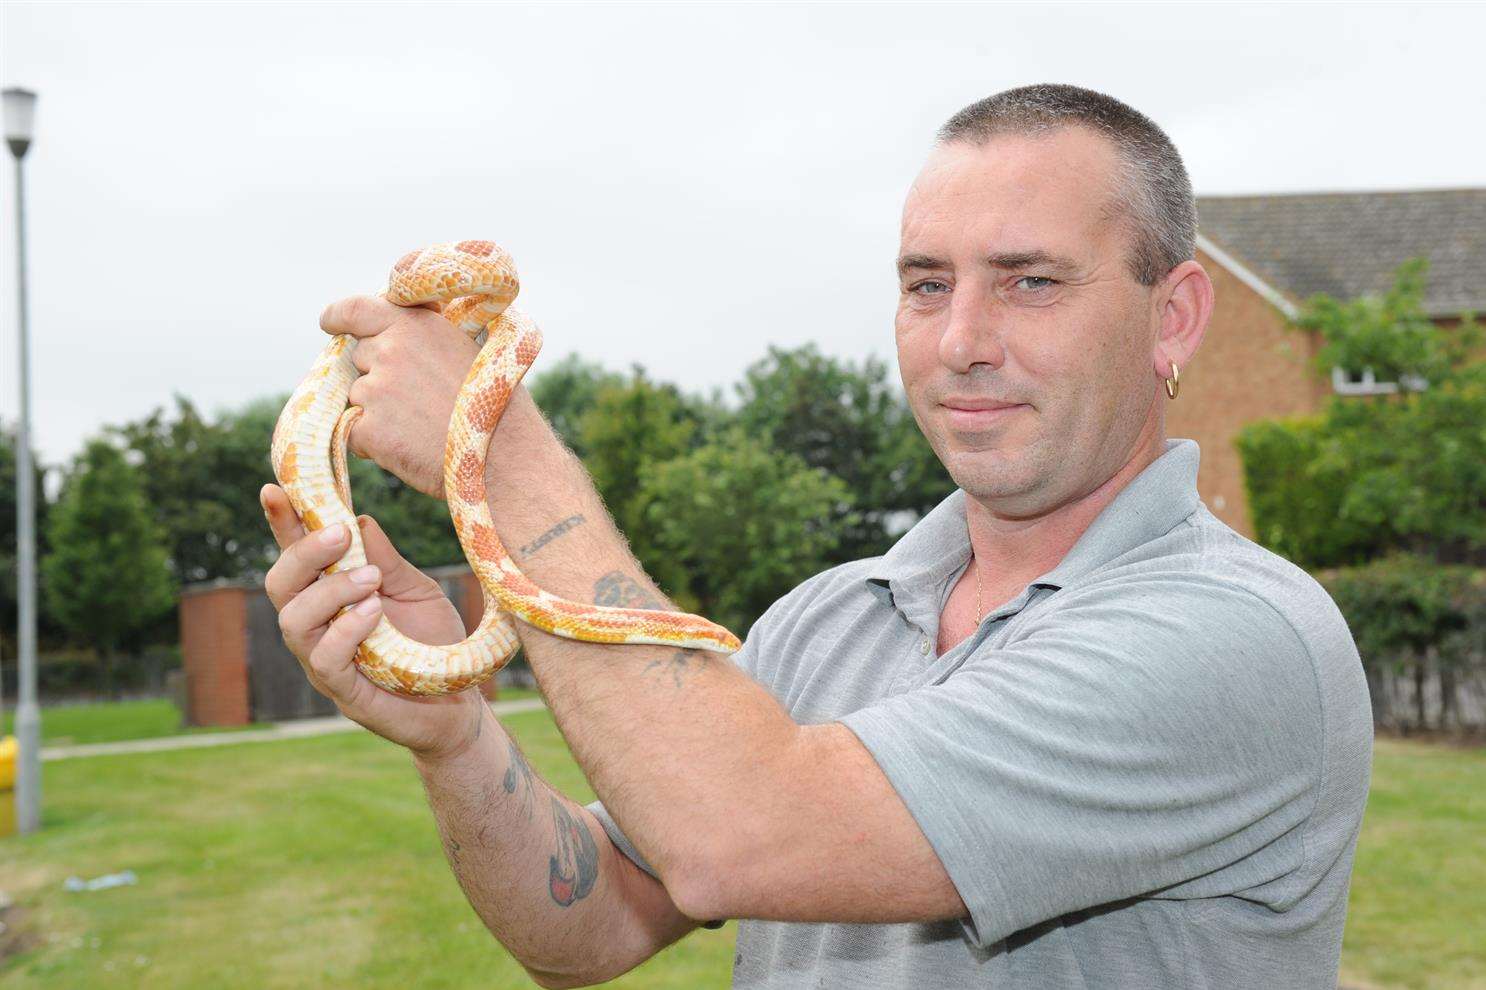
point(1420, 627)
point(1295, 487)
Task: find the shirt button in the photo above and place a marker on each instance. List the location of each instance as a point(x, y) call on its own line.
point(924, 647)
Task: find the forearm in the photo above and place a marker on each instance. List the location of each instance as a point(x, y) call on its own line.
point(675, 742)
point(539, 869)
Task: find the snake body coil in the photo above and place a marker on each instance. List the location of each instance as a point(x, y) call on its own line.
point(474, 283)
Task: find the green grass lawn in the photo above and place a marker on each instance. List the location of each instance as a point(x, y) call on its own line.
point(95, 722)
point(314, 862)
point(1419, 879)
point(304, 863)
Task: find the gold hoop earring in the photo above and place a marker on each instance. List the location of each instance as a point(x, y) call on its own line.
point(1174, 383)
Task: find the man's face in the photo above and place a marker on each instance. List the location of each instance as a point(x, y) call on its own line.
point(1015, 290)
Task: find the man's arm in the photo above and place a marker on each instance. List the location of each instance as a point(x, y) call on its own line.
point(539, 869)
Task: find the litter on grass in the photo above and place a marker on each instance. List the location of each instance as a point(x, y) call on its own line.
point(76, 884)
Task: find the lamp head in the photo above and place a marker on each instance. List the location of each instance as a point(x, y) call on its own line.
point(20, 119)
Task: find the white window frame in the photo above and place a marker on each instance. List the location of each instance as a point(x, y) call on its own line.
point(1342, 383)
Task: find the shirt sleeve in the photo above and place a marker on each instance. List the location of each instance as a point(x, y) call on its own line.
point(623, 844)
point(1164, 742)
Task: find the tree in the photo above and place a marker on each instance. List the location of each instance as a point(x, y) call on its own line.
point(1403, 471)
point(107, 577)
point(565, 392)
point(629, 431)
point(201, 482)
point(9, 564)
point(744, 523)
point(202, 479)
point(852, 422)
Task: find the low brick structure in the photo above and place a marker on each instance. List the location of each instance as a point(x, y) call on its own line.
point(237, 668)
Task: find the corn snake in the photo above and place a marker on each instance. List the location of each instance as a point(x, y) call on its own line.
point(474, 283)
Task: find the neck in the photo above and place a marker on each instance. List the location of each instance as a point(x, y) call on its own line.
point(1009, 552)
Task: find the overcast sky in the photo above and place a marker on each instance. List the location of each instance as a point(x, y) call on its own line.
point(680, 186)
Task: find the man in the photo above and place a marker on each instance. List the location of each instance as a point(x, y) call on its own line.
point(1072, 731)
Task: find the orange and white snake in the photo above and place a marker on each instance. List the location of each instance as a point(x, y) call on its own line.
point(474, 283)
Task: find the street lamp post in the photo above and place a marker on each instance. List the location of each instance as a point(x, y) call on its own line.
point(20, 116)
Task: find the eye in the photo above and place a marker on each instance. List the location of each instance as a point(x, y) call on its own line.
point(1036, 278)
point(927, 282)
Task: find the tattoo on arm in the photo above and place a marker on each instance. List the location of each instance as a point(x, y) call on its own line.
point(621, 591)
point(681, 664)
point(574, 868)
point(517, 771)
point(551, 534)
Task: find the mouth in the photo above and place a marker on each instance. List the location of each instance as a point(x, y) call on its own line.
point(979, 414)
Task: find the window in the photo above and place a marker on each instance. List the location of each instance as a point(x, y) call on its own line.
point(1348, 382)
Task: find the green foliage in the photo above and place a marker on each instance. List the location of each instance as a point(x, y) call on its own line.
point(203, 476)
point(1295, 494)
point(1414, 620)
point(850, 421)
point(566, 391)
point(107, 575)
point(1401, 605)
point(742, 523)
point(202, 479)
point(1405, 471)
point(9, 537)
point(1390, 334)
point(418, 524)
point(630, 430)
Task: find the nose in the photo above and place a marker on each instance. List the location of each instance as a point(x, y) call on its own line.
point(973, 332)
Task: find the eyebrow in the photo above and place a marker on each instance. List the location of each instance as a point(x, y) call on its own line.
point(1007, 260)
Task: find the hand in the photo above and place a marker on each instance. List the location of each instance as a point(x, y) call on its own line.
point(412, 363)
point(325, 640)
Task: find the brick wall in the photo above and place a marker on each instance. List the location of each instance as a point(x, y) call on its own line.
point(214, 649)
point(1250, 366)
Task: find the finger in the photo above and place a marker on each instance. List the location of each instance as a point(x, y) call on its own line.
point(362, 390)
point(305, 618)
point(353, 442)
point(400, 579)
point(300, 564)
point(359, 316)
point(365, 353)
point(280, 515)
point(330, 663)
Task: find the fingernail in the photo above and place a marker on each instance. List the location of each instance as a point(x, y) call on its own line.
point(370, 606)
point(331, 535)
point(366, 575)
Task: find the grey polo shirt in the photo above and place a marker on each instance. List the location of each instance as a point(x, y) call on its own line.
point(1146, 770)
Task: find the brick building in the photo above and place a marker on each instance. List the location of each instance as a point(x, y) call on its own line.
point(1266, 255)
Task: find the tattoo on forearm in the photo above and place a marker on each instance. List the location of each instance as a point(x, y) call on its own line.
point(574, 868)
point(517, 771)
point(621, 591)
point(681, 664)
point(551, 534)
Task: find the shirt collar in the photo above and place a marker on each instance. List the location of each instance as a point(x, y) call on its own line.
point(1157, 500)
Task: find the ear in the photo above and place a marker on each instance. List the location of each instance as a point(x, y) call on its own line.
point(1185, 301)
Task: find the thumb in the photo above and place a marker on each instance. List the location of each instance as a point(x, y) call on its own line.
point(400, 579)
point(330, 661)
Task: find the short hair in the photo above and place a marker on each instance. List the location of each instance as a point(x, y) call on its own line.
point(1153, 194)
